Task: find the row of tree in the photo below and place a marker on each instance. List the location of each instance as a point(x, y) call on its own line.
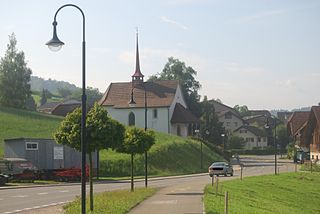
point(103, 132)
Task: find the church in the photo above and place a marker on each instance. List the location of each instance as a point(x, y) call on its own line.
point(157, 105)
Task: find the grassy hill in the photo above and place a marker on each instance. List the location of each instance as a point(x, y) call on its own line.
point(170, 155)
point(15, 123)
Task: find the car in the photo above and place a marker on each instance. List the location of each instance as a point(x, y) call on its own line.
point(220, 168)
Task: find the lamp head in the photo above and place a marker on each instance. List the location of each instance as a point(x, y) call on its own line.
point(55, 44)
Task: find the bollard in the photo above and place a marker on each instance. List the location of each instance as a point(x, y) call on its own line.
point(212, 180)
point(311, 165)
point(226, 203)
point(241, 173)
point(217, 186)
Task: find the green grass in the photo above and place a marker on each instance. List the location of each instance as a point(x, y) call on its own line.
point(171, 155)
point(287, 193)
point(16, 123)
point(115, 202)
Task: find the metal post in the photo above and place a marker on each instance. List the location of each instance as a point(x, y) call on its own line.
point(212, 180)
point(201, 162)
point(295, 167)
point(132, 184)
point(241, 167)
point(226, 203)
point(145, 128)
point(275, 146)
point(217, 186)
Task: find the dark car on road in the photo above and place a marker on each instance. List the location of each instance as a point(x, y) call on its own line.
point(220, 168)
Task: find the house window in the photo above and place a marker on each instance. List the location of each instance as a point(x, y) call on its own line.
point(228, 123)
point(250, 139)
point(178, 130)
point(236, 124)
point(155, 113)
point(31, 146)
point(243, 131)
point(132, 119)
point(259, 139)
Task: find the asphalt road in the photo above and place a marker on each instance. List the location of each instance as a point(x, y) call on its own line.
point(179, 194)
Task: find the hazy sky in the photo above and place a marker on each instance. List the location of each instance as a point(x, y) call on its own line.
point(261, 53)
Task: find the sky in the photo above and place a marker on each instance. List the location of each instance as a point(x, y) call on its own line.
point(261, 53)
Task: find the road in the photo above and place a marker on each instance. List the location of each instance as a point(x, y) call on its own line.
point(176, 191)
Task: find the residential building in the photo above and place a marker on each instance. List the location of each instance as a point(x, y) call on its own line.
point(60, 108)
point(254, 137)
point(296, 128)
point(312, 133)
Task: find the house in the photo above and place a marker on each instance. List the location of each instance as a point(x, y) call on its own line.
point(159, 105)
point(44, 153)
point(296, 128)
point(60, 108)
point(284, 116)
point(254, 137)
point(312, 133)
point(257, 120)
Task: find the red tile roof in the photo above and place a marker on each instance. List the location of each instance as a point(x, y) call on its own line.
point(159, 94)
point(297, 119)
point(182, 115)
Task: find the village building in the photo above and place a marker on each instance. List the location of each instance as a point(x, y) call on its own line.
point(254, 137)
point(157, 105)
point(312, 133)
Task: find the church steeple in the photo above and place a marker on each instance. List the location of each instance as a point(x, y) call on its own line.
point(137, 77)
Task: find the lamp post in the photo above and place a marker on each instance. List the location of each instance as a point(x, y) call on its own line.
point(132, 103)
point(55, 44)
point(197, 131)
point(274, 141)
point(222, 135)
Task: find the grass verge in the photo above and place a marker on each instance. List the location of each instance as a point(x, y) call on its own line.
point(286, 193)
point(115, 202)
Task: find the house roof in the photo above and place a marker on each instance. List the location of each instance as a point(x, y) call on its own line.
point(254, 130)
point(222, 113)
point(259, 112)
point(64, 108)
point(182, 115)
point(159, 94)
point(313, 122)
point(297, 120)
point(47, 107)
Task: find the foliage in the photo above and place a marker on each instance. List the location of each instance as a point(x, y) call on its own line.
point(286, 193)
point(14, 77)
point(43, 99)
point(175, 69)
point(64, 92)
point(102, 131)
point(235, 142)
point(210, 129)
point(16, 123)
point(283, 137)
point(93, 95)
point(137, 140)
point(115, 202)
point(307, 167)
point(38, 84)
point(31, 104)
point(242, 110)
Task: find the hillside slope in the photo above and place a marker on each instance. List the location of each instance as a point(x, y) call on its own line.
point(16, 123)
point(171, 155)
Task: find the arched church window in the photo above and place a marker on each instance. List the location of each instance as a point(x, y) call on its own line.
point(132, 119)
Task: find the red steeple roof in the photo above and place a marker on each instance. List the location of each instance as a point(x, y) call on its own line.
point(137, 72)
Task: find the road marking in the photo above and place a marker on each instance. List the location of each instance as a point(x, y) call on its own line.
point(43, 193)
point(19, 196)
point(1, 199)
point(36, 207)
point(165, 202)
point(64, 191)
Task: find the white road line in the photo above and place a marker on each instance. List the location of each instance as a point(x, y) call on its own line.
point(19, 196)
point(165, 202)
point(43, 193)
point(64, 191)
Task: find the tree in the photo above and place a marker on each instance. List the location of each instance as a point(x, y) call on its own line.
point(235, 142)
point(93, 95)
point(14, 77)
point(211, 129)
point(242, 110)
point(64, 92)
point(102, 133)
point(31, 104)
point(174, 69)
point(137, 141)
point(283, 137)
point(43, 99)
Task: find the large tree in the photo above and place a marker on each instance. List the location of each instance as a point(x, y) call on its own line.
point(211, 129)
point(102, 133)
point(14, 77)
point(174, 69)
point(93, 95)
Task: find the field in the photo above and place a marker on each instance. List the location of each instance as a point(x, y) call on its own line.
point(287, 193)
point(16, 123)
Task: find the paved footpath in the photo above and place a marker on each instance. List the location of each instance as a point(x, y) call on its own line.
point(183, 198)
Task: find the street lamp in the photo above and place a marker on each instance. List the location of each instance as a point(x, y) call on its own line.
point(197, 131)
point(55, 44)
point(222, 135)
point(132, 103)
point(267, 126)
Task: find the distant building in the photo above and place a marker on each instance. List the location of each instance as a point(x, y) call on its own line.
point(167, 110)
point(59, 108)
point(284, 116)
point(312, 133)
point(254, 137)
